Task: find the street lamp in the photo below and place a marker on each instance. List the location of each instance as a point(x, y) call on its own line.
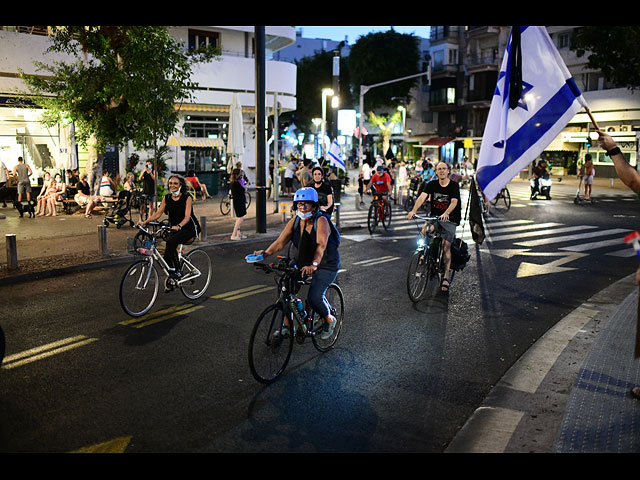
point(317, 122)
point(403, 109)
point(326, 92)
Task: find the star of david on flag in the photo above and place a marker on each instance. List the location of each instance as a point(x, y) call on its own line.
point(335, 157)
point(534, 99)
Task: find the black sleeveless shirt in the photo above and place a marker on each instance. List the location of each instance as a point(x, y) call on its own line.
point(176, 209)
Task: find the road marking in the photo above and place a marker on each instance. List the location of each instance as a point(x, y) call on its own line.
point(527, 269)
point(243, 292)
point(45, 351)
point(566, 238)
point(488, 430)
point(537, 233)
point(117, 445)
point(375, 261)
point(523, 227)
point(145, 321)
point(590, 246)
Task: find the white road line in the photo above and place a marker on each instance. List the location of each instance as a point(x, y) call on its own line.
point(538, 233)
point(524, 227)
point(568, 238)
point(593, 245)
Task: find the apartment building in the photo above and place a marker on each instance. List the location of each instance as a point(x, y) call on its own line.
point(201, 137)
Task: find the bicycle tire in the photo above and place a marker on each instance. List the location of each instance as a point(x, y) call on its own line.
point(335, 298)
point(247, 199)
point(225, 205)
point(144, 297)
point(418, 275)
point(269, 350)
point(372, 217)
point(198, 286)
point(386, 216)
point(409, 203)
point(507, 198)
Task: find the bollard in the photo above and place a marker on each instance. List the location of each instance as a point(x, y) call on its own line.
point(102, 240)
point(12, 251)
point(283, 209)
point(336, 210)
point(611, 182)
point(203, 228)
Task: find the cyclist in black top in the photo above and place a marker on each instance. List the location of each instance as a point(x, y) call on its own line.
point(184, 225)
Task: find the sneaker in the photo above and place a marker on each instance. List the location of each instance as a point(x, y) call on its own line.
point(328, 328)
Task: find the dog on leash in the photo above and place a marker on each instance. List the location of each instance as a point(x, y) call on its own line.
point(25, 207)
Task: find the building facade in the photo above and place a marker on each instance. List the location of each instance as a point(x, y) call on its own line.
point(201, 137)
point(466, 61)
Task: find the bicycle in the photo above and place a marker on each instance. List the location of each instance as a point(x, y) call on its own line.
point(505, 196)
point(139, 284)
point(271, 341)
point(226, 202)
point(379, 211)
point(427, 262)
point(141, 201)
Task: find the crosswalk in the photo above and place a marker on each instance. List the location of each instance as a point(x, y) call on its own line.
point(501, 233)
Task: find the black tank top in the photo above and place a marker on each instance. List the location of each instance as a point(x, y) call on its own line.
point(175, 210)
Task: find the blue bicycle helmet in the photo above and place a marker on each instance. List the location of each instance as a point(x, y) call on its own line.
point(305, 194)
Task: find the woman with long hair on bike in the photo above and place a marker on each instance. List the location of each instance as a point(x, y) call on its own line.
point(184, 225)
point(311, 233)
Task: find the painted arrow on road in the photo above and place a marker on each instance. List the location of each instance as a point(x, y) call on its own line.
point(527, 269)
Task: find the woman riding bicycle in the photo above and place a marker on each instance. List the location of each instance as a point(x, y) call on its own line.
point(317, 251)
point(184, 224)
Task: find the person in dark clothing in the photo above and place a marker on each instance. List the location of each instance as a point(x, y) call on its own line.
point(316, 243)
point(324, 190)
point(238, 195)
point(148, 177)
point(178, 205)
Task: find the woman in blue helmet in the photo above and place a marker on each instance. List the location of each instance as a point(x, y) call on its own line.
point(316, 243)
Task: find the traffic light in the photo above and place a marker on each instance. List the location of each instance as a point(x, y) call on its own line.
point(588, 142)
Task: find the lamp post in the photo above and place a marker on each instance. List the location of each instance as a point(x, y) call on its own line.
point(403, 109)
point(326, 92)
point(317, 122)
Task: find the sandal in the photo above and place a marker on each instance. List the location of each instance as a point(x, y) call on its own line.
point(635, 392)
point(445, 288)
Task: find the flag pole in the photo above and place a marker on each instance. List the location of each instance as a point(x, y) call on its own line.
point(593, 120)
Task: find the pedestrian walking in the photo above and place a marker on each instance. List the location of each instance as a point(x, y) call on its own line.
point(23, 171)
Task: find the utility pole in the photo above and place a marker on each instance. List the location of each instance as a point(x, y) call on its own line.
point(261, 200)
point(364, 89)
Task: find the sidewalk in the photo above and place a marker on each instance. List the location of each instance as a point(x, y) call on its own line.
point(568, 393)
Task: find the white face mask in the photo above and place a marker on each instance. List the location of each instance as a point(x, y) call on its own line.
point(303, 215)
point(176, 194)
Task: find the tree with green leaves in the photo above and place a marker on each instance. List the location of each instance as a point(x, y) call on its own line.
point(614, 50)
point(122, 85)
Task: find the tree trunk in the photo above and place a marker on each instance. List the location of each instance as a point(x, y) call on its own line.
point(94, 166)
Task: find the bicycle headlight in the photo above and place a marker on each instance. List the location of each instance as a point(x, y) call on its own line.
point(421, 242)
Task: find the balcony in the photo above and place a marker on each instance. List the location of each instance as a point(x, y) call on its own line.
point(482, 31)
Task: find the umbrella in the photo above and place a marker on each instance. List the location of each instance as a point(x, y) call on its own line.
point(235, 140)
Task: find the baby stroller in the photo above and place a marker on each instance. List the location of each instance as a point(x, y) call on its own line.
point(120, 212)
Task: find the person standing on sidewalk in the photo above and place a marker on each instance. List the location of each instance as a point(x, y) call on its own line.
point(631, 178)
point(587, 172)
point(23, 171)
point(238, 196)
point(4, 178)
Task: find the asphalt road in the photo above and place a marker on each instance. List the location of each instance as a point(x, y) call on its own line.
point(404, 377)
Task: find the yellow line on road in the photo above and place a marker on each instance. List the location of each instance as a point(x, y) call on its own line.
point(240, 290)
point(45, 351)
point(167, 317)
point(117, 445)
point(242, 295)
point(159, 313)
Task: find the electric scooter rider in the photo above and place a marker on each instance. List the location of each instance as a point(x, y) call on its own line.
point(316, 242)
point(540, 173)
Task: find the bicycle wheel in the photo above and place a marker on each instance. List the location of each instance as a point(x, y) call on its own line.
point(199, 260)
point(418, 274)
point(506, 197)
point(247, 199)
point(335, 299)
point(225, 205)
point(409, 203)
point(386, 216)
point(372, 218)
point(139, 288)
point(269, 348)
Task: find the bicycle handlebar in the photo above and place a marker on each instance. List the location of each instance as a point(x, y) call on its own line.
point(420, 217)
point(163, 227)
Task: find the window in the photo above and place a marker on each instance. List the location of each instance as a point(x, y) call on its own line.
point(203, 39)
point(453, 57)
point(451, 95)
point(563, 40)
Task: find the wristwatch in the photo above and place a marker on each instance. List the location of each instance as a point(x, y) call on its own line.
point(315, 264)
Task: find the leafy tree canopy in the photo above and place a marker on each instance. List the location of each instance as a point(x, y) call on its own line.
point(122, 86)
point(614, 50)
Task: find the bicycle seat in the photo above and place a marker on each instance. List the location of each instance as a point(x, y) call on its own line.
point(190, 241)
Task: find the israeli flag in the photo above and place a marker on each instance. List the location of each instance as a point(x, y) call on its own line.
point(534, 100)
point(335, 157)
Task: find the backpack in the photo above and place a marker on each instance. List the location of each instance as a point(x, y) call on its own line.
point(459, 254)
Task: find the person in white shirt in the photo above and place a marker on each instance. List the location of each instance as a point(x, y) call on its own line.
point(4, 178)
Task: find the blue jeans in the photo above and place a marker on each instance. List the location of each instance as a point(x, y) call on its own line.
point(320, 281)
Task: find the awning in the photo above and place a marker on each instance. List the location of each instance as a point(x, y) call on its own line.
point(436, 142)
point(192, 107)
point(195, 142)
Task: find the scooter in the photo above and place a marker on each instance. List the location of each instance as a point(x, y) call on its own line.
point(544, 188)
point(579, 199)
